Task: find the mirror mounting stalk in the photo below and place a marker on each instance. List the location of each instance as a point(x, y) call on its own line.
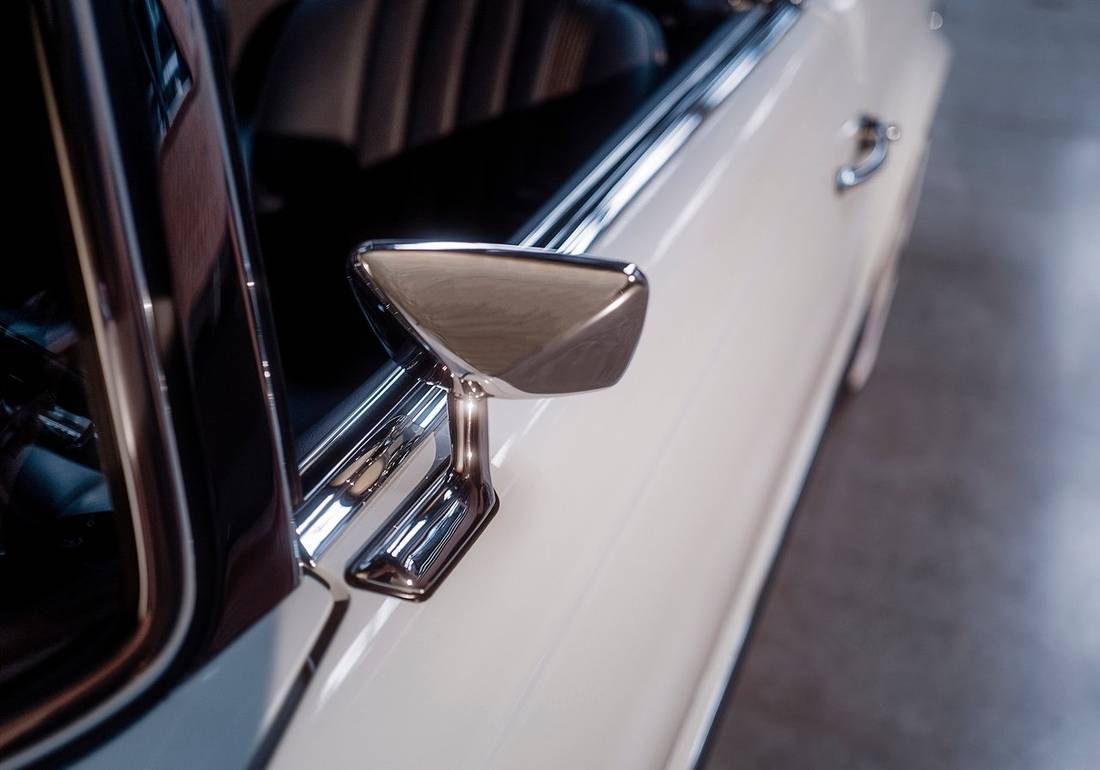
point(503, 321)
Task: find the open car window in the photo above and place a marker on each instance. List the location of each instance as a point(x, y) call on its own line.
point(427, 119)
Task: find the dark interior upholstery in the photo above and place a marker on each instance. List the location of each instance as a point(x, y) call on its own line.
point(379, 78)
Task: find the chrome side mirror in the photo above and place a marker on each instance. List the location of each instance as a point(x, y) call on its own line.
point(503, 321)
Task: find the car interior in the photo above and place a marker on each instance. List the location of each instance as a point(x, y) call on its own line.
point(438, 119)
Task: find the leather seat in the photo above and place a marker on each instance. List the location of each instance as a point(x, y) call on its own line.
point(379, 77)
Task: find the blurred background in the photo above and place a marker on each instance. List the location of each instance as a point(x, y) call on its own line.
point(936, 602)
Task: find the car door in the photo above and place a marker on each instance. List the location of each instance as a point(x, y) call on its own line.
point(593, 623)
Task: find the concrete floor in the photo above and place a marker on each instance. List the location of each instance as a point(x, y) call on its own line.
point(937, 603)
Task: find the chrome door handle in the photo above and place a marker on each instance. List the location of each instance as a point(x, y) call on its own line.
point(875, 138)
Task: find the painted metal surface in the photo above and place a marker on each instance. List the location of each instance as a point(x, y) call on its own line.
point(226, 712)
point(175, 311)
point(594, 624)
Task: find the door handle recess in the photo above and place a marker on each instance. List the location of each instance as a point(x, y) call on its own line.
point(874, 137)
point(501, 321)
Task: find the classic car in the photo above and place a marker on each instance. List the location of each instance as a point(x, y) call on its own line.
point(409, 384)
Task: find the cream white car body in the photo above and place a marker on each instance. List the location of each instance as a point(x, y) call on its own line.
point(596, 620)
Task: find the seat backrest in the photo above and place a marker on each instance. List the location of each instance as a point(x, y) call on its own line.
point(378, 77)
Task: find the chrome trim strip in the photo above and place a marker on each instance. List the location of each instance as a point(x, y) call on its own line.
point(874, 139)
point(340, 600)
point(669, 127)
point(401, 429)
point(570, 225)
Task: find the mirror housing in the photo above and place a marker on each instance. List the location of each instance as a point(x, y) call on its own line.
point(503, 321)
point(515, 322)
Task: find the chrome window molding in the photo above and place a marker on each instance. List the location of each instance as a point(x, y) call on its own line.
point(571, 223)
point(604, 194)
point(414, 415)
point(134, 387)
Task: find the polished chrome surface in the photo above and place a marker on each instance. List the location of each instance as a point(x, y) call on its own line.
point(408, 423)
point(575, 222)
point(874, 138)
point(409, 556)
point(339, 609)
point(514, 322)
point(503, 321)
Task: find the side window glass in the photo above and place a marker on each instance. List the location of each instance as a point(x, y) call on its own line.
point(68, 573)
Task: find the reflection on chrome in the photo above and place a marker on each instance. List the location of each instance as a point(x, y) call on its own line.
point(514, 322)
point(332, 507)
point(409, 556)
point(503, 321)
point(572, 224)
